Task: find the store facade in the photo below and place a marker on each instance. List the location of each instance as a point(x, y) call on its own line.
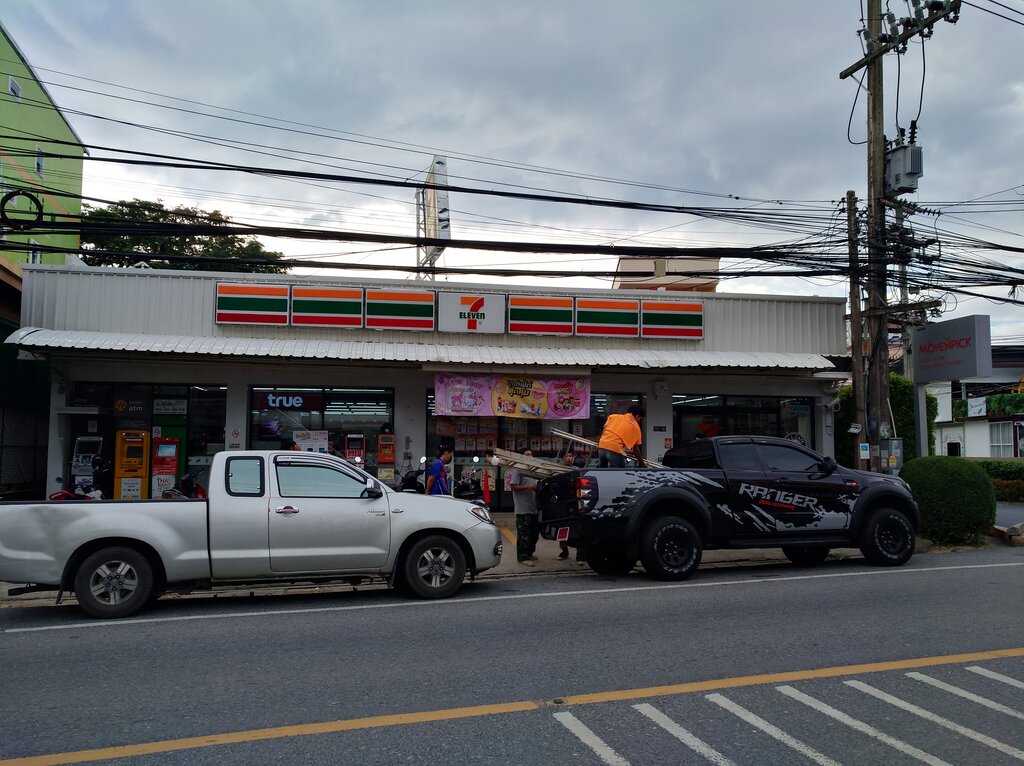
point(158, 370)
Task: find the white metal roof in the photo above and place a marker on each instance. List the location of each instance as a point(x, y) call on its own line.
point(308, 348)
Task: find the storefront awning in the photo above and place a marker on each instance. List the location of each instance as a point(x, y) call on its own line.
point(34, 338)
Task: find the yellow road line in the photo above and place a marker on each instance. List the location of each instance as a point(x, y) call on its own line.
point(404, 719)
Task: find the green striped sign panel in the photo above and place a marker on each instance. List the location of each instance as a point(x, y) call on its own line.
point(539, 315)
point(252, 304)
point(608, 317)
point(668, 319)
point(399, 310)
point(327, 306)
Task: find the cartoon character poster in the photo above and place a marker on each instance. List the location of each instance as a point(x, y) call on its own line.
point(512, 396)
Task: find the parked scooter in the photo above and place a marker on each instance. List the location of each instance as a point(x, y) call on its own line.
point(467, 488)
point(84, 490)
point(187, 488)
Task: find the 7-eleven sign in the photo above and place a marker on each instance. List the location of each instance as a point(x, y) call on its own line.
point(470, 312)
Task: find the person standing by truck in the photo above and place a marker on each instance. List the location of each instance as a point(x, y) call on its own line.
point(524, 501)
point(621, 436)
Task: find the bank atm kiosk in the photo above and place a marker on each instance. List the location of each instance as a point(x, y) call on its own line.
point(355, 447)
point(164, 470)
point(131, 464)
point(87, 448)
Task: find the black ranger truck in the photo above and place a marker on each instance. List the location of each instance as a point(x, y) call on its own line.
point(727, 492)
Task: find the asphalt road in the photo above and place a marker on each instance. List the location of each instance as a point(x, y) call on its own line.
point(540, 670)
point(1009, 514)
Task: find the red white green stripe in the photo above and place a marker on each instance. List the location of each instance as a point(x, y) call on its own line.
point(607, 317)
point(399, 310)
point(540, 315)
point(327, 306)
point(665, 319)
point(252, 304)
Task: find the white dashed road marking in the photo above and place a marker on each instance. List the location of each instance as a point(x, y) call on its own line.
point(996, 676)
point(863, 728)
point(772, 730)
point(966, 695)
point(591, 740)
point(692, 741)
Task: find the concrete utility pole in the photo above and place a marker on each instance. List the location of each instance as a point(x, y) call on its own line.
point(877, 323)
point(878, 43)
point(856, 323)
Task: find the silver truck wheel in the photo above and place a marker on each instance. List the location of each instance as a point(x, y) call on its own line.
point(114, 582)
point(670, 549)
point(435, 567)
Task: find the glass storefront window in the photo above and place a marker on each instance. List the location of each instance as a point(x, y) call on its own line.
point(470, 437)
point(343, 421)
point(696, 416)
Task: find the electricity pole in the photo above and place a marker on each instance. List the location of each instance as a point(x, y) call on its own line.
point(876, 316)
point(856, 323)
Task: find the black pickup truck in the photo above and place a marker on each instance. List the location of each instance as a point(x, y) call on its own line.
point(727, 492)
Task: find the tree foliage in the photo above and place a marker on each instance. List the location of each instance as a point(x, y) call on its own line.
point(124, 230)
point(901, 398)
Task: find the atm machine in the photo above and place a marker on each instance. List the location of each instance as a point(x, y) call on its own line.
point(87, 448)
point(131, 464)
point(164, 462)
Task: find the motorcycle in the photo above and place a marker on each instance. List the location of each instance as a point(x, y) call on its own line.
point(187, 488)
point(84, 490)
point(467, 488)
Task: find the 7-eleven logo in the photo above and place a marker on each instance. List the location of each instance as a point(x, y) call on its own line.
point(474, 311)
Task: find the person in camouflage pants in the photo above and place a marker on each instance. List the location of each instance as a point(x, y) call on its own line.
point(524, 500)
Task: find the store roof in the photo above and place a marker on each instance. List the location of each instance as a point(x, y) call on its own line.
point(34, 338)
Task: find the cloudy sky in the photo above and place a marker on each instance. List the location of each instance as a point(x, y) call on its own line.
point(732, 105)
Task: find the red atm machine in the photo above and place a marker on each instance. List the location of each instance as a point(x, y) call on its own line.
point(164, 464)
point(355, 447)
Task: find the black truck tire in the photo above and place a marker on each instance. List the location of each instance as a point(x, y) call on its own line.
point(670, 548)
point(609, 558)
point(434, 567)
point(888, 538)
point(805, 555)
point(114, 582)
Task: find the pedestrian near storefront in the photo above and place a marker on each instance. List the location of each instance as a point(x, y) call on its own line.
point(621, 436)
point(524, 501)
point(437, 475)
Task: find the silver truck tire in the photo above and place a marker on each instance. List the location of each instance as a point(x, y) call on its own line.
point(670, 548)
point(113, 583)
point(434, 567)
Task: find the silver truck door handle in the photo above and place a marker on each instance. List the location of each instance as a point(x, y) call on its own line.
point(286, 510)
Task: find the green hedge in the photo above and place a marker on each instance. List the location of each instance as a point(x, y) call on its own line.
point(1002, 469)
point(955, 495)
point(1009, 490)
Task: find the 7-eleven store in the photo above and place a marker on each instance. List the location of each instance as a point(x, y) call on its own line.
point(386, 370)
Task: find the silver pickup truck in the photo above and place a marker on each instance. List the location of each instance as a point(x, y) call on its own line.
point(270, 517)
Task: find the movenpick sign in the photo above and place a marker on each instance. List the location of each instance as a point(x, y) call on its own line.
point(953, 350)
point(470, 312)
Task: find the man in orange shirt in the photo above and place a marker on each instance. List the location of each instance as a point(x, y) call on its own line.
point(621, 436)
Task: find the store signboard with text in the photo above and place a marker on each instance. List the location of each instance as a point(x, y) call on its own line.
point(471, 312)
point(512, 396)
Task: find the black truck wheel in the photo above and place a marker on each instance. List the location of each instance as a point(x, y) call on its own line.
point(888, 538)
point(805, 555)
point(435, 567)
point(670, 549)
point(114, 582)
point(609, 558)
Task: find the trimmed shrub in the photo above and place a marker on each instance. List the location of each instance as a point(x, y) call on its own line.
point(1009, 490)
point(1002, 469)
point(955, 495)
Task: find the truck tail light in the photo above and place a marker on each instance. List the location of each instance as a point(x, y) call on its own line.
point(586, 493)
